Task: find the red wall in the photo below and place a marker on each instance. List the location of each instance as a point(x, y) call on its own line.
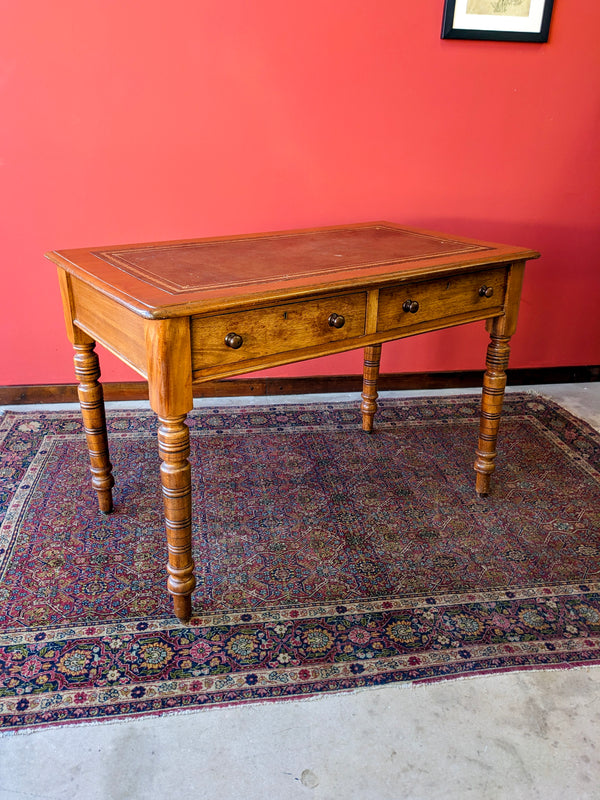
point(128, 121)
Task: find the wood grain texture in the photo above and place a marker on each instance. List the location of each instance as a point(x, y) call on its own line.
point(175, 475)
point(276, 330)
point(169, 365)
point(439, 300)
point(114, 326)
point(494, 383)
point(501, 330)
point(168, 349)
point(91, 400)
point(369, 394)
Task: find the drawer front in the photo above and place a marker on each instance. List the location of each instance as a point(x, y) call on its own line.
point(241, 336)
point(428, 301)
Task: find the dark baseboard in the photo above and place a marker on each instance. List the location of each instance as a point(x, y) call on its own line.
point(245, 387)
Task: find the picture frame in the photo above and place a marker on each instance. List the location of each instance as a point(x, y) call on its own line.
point(497, 20)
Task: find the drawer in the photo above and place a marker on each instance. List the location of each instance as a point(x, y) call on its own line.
point(424, 302)
point(244, 335)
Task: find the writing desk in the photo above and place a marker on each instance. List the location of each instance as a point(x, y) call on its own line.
point(195, 310)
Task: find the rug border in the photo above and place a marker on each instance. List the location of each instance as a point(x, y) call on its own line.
point(395, 677)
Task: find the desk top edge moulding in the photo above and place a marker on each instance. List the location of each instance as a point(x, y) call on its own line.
point(192, 276)
point(189, 311)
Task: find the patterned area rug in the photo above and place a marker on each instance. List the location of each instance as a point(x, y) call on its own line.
point(327, 559)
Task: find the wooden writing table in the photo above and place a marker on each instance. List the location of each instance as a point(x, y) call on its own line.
point(195, 310)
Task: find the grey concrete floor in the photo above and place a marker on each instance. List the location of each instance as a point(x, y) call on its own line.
point(531, 734)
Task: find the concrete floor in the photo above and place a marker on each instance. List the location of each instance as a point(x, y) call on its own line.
point(519, 735)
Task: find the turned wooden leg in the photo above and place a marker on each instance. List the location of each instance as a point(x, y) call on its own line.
point(494, 383)
point(175, 473)
point(91, 399)
point(168, 348)
point(369, 394)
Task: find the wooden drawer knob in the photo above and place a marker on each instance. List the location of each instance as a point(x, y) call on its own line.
point(336, 320)
point(486, 291)
point(410, 306)
point(234, 340)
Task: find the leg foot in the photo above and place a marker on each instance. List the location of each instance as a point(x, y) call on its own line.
point(91, 400)
point(482, 484)
point(182, 605)
point(369, 394)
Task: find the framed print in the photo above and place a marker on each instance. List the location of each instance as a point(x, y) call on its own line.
point(499, 20)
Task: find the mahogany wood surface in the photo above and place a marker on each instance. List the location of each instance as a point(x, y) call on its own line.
point(369, 394)
point(250, 270)
point(91, 400)
point(182, 313)
point(170, 383)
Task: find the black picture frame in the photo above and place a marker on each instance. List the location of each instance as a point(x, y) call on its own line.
point(504, 32)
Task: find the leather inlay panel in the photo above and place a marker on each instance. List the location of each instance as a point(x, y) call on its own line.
point(183, 267)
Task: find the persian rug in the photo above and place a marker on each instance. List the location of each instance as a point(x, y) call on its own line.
point(327, 559)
